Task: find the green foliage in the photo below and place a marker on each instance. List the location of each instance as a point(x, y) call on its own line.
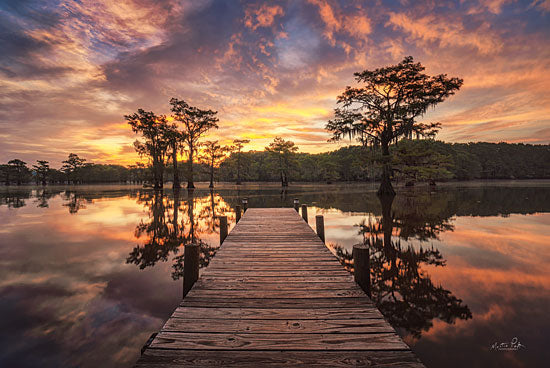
point(464, 161)
point(417, 160)
point(283, 152)
point(459, 161)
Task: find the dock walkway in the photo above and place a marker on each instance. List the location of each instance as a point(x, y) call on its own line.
point(274, 296)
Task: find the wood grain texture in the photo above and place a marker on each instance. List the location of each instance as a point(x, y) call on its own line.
point(275, 296)
point(283, 326)
point(270, 313)
point(157, 358)
point(273, 341)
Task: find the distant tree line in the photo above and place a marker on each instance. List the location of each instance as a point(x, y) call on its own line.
point(422, 160)
point(414, 160)
point(75, 170)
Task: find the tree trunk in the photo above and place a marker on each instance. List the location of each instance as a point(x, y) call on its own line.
point(211, 175)
point(156, 184)
point(176, 183)
point(161, 175)
point(385, 185)
point(239, 168)
point(190, 184)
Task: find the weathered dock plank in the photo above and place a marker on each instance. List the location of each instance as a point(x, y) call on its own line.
point(273, 296)
point(158, 358)
point(275, 341)
point(270, 313)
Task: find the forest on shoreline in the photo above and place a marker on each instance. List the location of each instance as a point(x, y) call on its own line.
point(355, 163)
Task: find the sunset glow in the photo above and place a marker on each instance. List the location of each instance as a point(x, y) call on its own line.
point(71, 70)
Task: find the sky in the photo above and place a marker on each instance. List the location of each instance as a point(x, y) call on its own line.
point(71, 70)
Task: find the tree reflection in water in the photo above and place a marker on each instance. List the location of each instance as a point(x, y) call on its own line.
point(75, 201)
point(404, 292)
point(172, 224)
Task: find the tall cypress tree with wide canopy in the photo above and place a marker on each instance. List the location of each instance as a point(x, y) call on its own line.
point(385, 108)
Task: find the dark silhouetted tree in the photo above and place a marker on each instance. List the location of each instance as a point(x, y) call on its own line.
point(175, 139)
point(19, 170)
point(42, 170)
point(238, 145)
point(72, 167)
point(5, 174)
point(213, 153)
point(194, 124)
point(154, 129)
point(284, 152)
point(386, 106)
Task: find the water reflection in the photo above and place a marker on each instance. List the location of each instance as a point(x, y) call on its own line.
point(75, 201)
point(165, 232)
point(74, 300)
point(401, 289)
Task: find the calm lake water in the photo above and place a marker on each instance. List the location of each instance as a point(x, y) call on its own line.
point(88, 273)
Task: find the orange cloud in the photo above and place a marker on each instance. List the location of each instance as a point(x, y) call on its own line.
point(263, 16)
point(356, 24)
point(447, 32)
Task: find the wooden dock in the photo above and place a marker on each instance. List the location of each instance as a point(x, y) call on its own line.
point(274, 296)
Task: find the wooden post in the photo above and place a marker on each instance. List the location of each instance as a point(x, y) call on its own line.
point(223, 228)
point(361, 266)
point(190, 267)
point(238, 213)
point(245, 204)
point(320, 226)
point(297, 205)
point(304, 212)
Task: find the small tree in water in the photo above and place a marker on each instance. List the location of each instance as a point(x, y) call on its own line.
point(385, 108)
point(42, 170)
point(19, 170)
point(154, 130)
point(72, 167)
point(194, 123)
point(238, 145)
point(284, 153)
point(212, 154)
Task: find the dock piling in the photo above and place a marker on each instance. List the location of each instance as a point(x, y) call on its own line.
point(361, 266)
point(190, 266)
point(320, 226)
point(237, 213)
point(223, 228)
point(304, 212)
point(297, 204)
point(245, 204)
